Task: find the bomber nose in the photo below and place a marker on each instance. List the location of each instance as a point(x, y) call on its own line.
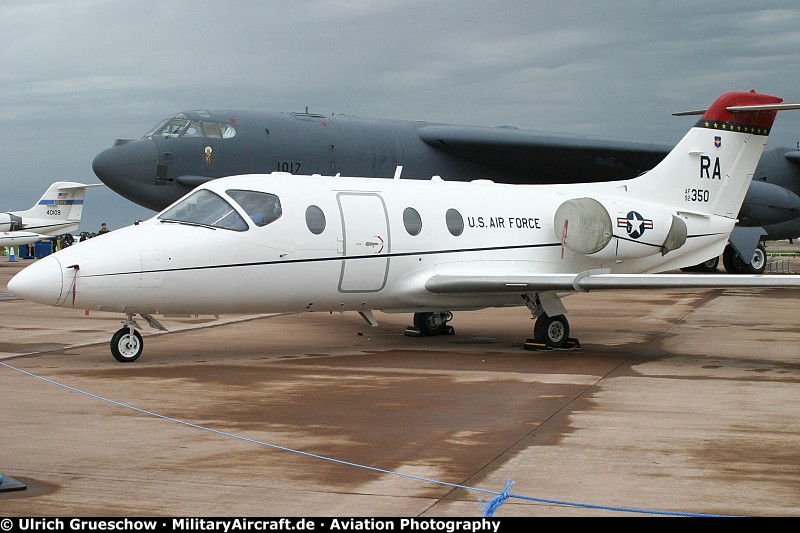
point(41, 282)
point(126, 166)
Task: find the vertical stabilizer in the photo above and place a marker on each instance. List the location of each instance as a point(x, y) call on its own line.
point(710, 169)
point(62, 201)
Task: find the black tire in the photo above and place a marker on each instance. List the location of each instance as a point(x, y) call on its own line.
point(552, 330)
point(735, 265)
point(708, 266)
point(126, 348)
point(431, 323)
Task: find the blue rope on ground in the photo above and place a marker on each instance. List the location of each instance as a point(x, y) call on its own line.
point(496, 502)
point(491, 507)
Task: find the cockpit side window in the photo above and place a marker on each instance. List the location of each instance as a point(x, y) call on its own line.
point(212, 130)
point(262, 208)
point(227, 130)
point(205, 208)
point(195, 129)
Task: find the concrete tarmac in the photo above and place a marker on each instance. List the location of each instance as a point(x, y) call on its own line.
point(678, 402)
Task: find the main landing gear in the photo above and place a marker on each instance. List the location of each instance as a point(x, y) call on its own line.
point(549, 332)
point(430, 324)
point(736, 265)
point(733, 262)
point(127, 343)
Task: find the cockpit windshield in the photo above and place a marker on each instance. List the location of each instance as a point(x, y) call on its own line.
point(205, 208)
point(181, 126)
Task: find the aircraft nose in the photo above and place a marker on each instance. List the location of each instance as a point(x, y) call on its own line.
point(126, 167)
point(41, 282)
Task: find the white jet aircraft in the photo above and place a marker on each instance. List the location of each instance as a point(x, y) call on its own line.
point(252, 244)
point(58, 211)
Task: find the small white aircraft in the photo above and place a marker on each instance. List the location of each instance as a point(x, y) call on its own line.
point(58, 211)
point(252, 244)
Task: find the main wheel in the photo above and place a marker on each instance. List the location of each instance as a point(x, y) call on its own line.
point(732, 262)
point(431, 323)
point(708, 266)
point(552, 330)
point(735, 265)
point(759, 261)
point(125, 347)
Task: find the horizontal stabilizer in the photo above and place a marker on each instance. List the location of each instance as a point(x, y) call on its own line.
point(78, 186)
point(734, 108)
point(600, 280)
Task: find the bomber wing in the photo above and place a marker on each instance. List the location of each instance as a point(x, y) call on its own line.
point(552, 157)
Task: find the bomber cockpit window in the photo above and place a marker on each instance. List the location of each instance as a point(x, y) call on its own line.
point(195, 129)
point(180, 125)
point(204, 208)
point(157, 128)
point(261, 207)
point(173, 127)
point(227, 130)
point(212, 130)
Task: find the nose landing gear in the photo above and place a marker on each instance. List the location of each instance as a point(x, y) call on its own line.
point(127, 344)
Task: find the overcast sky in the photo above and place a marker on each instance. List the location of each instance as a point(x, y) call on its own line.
point(75, 75)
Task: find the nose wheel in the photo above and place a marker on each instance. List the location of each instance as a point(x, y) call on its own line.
point(126, 345)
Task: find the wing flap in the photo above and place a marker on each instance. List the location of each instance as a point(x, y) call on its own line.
point(594, 280)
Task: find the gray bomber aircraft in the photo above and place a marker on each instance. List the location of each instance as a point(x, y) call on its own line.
point(194, 147)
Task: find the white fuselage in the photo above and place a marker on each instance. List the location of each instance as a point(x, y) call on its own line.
point(40, 226)
point(20, 238)
point(372, 253)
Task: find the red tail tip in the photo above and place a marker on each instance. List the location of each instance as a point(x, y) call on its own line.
point(719, 113)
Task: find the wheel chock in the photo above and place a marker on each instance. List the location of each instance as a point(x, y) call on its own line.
point(411, 331)
point(8, 484)
point(536, 345)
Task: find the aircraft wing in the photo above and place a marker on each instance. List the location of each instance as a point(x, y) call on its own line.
point(555, 157)
point(593, 280)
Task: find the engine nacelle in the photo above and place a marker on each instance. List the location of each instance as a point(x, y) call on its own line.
point(605, 229)
point(9, 222)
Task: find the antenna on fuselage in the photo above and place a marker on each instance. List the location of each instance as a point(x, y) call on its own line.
point(398, 171)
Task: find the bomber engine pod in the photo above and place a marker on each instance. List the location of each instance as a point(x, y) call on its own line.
point(610, 230)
